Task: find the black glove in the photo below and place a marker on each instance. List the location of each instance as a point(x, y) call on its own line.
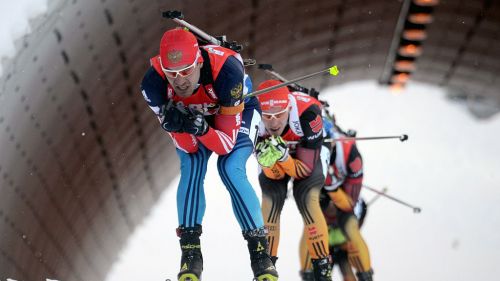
point(194, 122)
point(172, 119)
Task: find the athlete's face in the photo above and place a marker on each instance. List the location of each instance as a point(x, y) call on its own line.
point(275, 120)
point(184, 78)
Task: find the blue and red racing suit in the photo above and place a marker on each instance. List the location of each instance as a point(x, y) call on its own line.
point(233, 126)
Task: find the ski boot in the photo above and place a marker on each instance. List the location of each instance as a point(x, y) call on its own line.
point(365, 276)
point(262, 265)
point(307, 275)
point(191, 260)
point(322, 269)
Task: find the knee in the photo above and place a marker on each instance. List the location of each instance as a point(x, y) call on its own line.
point(307, 200)
point(306, 193)
point(230, 167)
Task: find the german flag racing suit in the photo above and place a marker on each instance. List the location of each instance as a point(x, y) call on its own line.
point(306, 167)
point(339, 197)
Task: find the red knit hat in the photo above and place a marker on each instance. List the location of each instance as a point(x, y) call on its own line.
point(274, 98)
point(178, 47)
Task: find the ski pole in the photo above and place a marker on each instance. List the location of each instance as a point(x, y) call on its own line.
point(377, 196)
point(401, 138)
point(178, 17)
point(334, 71)
point(415, 209)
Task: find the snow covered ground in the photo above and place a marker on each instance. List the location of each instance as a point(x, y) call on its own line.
point(449, 167)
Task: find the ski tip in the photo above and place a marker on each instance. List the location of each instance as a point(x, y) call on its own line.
point(334, 71)
point(417, 210)
point(403, 138)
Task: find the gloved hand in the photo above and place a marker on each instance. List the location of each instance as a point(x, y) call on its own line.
point(266, 153)
point(194, 122)
point(280, 144)
point(172, 119)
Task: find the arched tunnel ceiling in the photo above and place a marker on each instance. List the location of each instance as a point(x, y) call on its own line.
point(82, 158)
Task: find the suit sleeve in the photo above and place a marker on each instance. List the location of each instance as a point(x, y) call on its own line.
point(221, 138)
point(354, 179)
point(275, 172)
point(153, 88)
